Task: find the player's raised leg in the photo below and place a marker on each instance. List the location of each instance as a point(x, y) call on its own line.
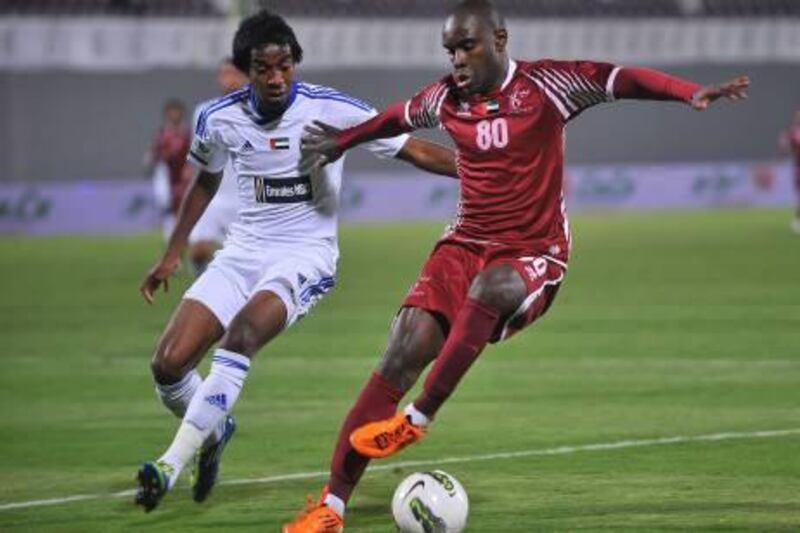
point(496, 293)
point(416, 337)
point(261, 319)
point(191, 331)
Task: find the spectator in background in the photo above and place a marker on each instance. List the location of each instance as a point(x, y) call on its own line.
point(790, 143)
point(166, 162)
point(212, 228)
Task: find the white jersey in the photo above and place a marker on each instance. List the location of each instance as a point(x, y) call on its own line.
point(280, 199)
point(228, 192)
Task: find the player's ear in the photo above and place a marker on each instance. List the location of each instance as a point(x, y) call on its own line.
point(500, 40)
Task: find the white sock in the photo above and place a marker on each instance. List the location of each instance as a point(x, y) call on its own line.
point(176, 398)
point(418, 418)
point(335, 503)
point(209, 407)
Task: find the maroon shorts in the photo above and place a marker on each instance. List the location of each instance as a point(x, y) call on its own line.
point(446, 277)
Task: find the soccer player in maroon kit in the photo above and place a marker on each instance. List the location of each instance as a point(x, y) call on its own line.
point(499, 265)
point(790, 142)
point(170, 147)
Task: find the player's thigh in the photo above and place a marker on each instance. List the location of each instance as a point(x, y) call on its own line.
point(444, 281)
point(290, 285)
point(543, 279)
point(500, 287)
point(190, 332)
point(261, 319)
point(415, 340)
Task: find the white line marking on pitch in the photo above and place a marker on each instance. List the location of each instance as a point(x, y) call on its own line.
point(560, 450)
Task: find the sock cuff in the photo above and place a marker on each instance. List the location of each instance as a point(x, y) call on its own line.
point(393, 392)
point(231, 359)
point(178, 387)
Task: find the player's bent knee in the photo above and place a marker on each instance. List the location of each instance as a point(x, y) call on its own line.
point(242, 338)
point(168, 367)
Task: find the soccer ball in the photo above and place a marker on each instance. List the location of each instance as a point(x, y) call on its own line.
point(430, 502)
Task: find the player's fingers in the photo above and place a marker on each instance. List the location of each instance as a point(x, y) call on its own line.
point(147, 291)
point(314, 131)
point(320, 161)
point(325, 127)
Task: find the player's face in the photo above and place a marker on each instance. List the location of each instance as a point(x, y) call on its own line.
point(173, 116)
point(271, 73)
point(230, 78)
point(477, 53)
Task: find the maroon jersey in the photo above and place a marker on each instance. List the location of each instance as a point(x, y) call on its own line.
point(171, 146)
point(510, 149)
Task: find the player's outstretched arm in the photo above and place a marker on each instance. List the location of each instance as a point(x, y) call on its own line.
point(648, 84)
point(329, 143)
point(430, 157)
point(735, 89)
point(194, 204)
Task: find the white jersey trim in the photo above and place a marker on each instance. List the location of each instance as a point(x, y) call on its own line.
point(512, 69)
point(551, 96)
point(610, 84)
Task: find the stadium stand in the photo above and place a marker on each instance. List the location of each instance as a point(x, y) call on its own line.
point(407, 8)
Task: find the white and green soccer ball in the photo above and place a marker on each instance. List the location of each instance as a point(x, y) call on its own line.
point(430, 502)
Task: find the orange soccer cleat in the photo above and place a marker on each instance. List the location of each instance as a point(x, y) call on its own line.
point(385, 437)
point(317, 518)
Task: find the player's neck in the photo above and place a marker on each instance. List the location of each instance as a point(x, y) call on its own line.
point(500, 80)
point(271, 111)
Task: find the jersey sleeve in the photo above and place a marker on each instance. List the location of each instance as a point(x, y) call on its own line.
point(423, 110)
point(346, 115)
point(574, 86)
point(207, 150)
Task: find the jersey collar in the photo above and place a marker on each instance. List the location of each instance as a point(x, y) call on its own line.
point(512, 69)
point(261, 119)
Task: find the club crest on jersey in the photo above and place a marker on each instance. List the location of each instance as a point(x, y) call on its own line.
point(279, 143)
point(517, 99)
point(464, 110)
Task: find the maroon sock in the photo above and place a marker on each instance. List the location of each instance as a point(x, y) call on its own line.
point(378, 400)
point(472, 329)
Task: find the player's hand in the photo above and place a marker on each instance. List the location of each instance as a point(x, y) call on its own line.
point(320, 139)
point(735, 89)
point(159, 274)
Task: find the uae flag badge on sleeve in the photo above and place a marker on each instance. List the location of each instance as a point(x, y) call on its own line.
point(279, 143)
point(492, 107)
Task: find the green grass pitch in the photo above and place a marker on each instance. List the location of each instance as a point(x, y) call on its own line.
point(669, 324)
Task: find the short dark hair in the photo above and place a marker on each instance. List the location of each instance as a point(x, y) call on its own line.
point(261, 29)
point(174, 103)
point(484, 9)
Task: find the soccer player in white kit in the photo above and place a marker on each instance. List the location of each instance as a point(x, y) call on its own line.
point(210, 231)
point(281, 253)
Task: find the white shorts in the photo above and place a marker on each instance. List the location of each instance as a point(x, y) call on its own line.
point(213, 225)
point(300, 275)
